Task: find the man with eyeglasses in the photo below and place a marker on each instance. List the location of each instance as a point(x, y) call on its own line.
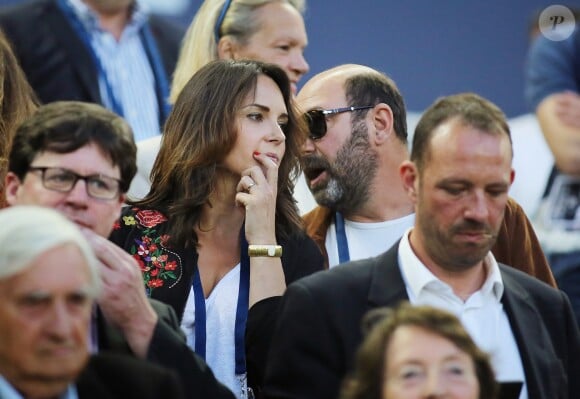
point(79, 159)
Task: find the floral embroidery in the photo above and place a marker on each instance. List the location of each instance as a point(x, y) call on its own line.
point(150, 252)
point(150, 218)
point(129, 220)
point(164, 240)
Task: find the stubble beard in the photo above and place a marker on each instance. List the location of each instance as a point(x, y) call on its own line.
point(451, 256)
point(351, 175)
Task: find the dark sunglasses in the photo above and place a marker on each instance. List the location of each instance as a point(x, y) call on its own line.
point(316, 119)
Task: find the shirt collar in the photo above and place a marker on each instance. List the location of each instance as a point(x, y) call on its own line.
point(417, 276)
point(91, 22)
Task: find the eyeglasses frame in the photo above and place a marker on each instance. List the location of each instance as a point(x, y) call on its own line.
point(334, 111)
point(78, 177)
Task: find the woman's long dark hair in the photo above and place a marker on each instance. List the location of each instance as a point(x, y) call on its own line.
point(17, 102)
point(201, 131)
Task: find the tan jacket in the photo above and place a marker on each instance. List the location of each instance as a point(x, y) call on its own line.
point(516, 245)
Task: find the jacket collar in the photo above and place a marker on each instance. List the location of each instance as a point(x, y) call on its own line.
point(387, 285)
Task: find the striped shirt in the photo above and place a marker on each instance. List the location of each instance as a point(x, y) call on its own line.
point(126, 68)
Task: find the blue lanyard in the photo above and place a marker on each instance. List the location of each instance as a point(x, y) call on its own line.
point(341, 242)
point(241, 309)
point(162, 85)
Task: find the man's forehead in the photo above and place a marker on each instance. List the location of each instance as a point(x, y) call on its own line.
point(48, 294)
point(322, 93)
point(89, 157)
point(456, 130)
point(40, 280)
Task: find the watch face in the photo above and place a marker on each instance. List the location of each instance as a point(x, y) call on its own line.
point(271, 251)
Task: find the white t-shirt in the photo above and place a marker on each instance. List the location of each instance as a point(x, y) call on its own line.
point(147, 151)
point(367, 239)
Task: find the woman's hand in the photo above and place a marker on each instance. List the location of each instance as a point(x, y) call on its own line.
point(257, 192)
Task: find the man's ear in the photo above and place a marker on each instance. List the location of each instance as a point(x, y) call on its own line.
point(383, 123)
point(226, 48)
point(12, 187)
point(410, 179)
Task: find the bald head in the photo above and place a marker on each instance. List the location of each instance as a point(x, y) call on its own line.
point(358, 136)
point(354, 85)
point(337, 74)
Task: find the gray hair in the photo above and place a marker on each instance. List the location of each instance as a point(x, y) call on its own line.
point(28, 231)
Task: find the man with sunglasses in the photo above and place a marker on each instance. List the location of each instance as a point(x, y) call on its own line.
point(79, 159)
point(357, 141)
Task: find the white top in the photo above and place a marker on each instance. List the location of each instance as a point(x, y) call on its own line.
point(147, 151)
point(220, 311)
point(367, 239)
point(482, 314)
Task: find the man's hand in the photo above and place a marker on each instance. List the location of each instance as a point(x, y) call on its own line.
point(567, 107)
point(123, 301)
point(559, 117)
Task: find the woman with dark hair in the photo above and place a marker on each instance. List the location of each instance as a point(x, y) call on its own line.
point(219, 236)
point(17, 102)
point(263, 30)
point(414, 352)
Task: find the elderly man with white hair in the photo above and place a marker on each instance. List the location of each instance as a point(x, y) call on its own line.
point(49, 279)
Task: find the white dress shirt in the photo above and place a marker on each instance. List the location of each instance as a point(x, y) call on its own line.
point(482, 314)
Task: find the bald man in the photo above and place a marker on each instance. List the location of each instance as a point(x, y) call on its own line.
point(358, 139)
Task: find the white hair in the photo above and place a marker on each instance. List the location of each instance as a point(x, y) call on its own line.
point(28, 231)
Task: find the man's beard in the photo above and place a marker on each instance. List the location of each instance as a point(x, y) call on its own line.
point(442, 245)
point(351, 175)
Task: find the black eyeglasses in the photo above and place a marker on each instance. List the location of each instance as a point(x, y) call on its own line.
point(63, 180)
point(316, 119)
